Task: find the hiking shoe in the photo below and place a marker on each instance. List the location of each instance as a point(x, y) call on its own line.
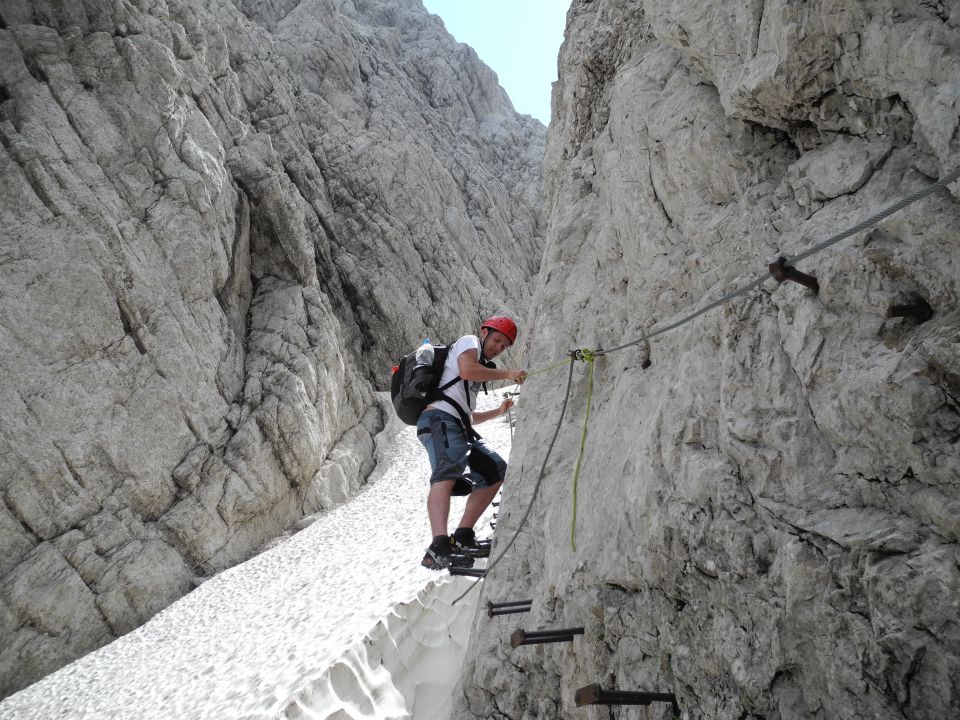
point(436, 559)
point(464, 541)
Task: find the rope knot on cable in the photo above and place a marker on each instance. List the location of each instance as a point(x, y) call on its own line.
point(585, 355)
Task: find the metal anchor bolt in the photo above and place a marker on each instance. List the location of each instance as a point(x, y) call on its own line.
point(782, 272)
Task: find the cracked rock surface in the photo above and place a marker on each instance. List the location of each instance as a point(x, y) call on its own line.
point(768, 501)
point(221, 222)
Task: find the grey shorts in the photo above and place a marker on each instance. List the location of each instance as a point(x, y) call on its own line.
point(451, 453)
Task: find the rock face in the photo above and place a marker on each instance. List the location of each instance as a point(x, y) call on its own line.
point(221, 223)
point(767, 513)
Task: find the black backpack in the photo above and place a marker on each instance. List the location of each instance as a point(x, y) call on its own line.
point(414, 387)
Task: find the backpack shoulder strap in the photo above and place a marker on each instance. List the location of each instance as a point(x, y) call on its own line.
point(450, 384)
point(464, 417)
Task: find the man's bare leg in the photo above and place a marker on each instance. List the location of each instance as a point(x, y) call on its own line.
point(477, 502)
point(438, 506)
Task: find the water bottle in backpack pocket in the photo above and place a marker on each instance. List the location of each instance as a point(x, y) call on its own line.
point(424, 353)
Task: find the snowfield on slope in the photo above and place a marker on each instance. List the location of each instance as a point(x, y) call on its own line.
point(337, 621)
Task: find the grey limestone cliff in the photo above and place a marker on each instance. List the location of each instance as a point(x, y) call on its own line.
point(768, 506)
point(219, 222)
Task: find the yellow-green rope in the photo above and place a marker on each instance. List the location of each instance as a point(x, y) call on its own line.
point(548, 369)
point(587, 356)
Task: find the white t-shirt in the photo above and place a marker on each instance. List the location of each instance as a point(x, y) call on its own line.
point(451, 369)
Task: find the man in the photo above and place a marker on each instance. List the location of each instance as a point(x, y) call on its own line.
point(452, 447)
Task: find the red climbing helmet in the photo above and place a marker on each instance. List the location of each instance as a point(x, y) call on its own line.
point(504, 324)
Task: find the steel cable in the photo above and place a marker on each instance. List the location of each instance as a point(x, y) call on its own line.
point(872, 220)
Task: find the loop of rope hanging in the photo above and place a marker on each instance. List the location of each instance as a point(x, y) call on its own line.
point(587, 356)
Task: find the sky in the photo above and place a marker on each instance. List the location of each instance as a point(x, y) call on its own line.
point(518, 39)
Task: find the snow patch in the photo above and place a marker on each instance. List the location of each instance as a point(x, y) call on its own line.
point(337, 621)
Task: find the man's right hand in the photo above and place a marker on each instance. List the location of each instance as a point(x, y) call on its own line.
point(518, 376)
